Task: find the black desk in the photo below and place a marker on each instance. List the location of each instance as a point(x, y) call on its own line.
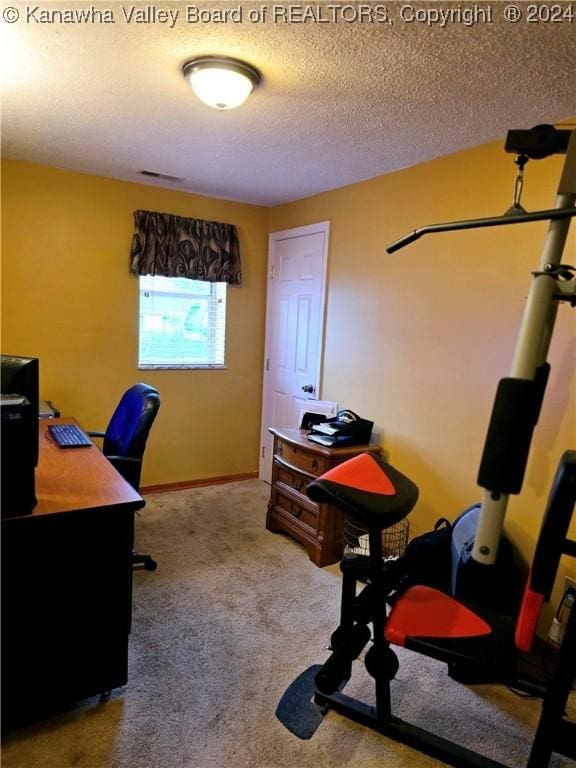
point(67, 584)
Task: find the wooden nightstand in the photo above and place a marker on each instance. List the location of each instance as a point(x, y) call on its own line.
point(296, 462)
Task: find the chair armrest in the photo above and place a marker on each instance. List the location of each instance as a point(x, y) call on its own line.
point(96, 434)
point(123, 460)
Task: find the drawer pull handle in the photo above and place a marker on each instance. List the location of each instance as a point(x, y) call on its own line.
point(314, 465)
point(296, 511)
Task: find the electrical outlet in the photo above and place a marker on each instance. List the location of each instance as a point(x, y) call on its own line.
point(558, 626)
point(570, 584)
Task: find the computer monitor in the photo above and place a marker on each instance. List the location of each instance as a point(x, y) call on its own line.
point(19, 379)
point(20, 375)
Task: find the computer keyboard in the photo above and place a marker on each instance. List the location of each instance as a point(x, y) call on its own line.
point(69, 436)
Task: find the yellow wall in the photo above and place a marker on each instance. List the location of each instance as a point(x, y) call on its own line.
point(68, 298)
point(418, 340)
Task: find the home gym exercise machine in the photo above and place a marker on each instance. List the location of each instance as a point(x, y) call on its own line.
point(476, 642)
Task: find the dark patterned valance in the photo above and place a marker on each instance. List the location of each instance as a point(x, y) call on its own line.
point(175, 246)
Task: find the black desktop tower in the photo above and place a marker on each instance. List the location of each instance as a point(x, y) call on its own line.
point(19, 455)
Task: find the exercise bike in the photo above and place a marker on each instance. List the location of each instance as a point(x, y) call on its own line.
point(468, 636)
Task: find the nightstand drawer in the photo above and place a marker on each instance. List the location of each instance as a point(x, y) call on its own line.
point(301, 458)
point(294, 509)
point(296, 462)
point(291, 478)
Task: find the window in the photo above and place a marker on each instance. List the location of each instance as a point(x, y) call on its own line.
point(182, 323)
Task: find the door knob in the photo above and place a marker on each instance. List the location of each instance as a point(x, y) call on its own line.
point(308, 388)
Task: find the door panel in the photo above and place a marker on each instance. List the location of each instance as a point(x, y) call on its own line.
point(294, 328)
point(303, 332)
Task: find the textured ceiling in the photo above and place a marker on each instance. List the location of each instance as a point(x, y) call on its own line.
point(345, 95)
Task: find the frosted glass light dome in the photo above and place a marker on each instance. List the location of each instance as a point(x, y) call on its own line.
point(221, 82)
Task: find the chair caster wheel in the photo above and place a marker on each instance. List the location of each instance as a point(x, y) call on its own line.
point(151, 565)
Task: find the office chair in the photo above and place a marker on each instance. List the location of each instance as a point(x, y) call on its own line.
point(125, 440)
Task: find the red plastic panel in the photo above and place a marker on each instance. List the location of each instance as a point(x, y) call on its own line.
point(362, 473)
point(528, 619)
point(426, 612)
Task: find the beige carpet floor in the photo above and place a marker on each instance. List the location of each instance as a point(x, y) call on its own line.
point(230, 618)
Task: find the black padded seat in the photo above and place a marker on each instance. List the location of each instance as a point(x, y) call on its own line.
point(367, 488)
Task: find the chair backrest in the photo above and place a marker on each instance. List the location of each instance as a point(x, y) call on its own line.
point(552, 543)
point(130, 425)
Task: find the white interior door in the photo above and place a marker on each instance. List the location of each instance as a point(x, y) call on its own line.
point(294, 328)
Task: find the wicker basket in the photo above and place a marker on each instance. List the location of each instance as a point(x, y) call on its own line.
point(394, 539)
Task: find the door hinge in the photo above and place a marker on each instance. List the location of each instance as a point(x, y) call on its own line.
point(263, 451)
point(267, 363)
point(273, 272)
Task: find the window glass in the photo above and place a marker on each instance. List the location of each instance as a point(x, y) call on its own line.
point(182, 323)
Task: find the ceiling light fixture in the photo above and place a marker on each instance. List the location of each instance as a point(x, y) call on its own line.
point(221, 82)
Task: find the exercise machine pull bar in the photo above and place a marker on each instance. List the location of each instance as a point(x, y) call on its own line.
point(509, 437)
point(493, 221)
